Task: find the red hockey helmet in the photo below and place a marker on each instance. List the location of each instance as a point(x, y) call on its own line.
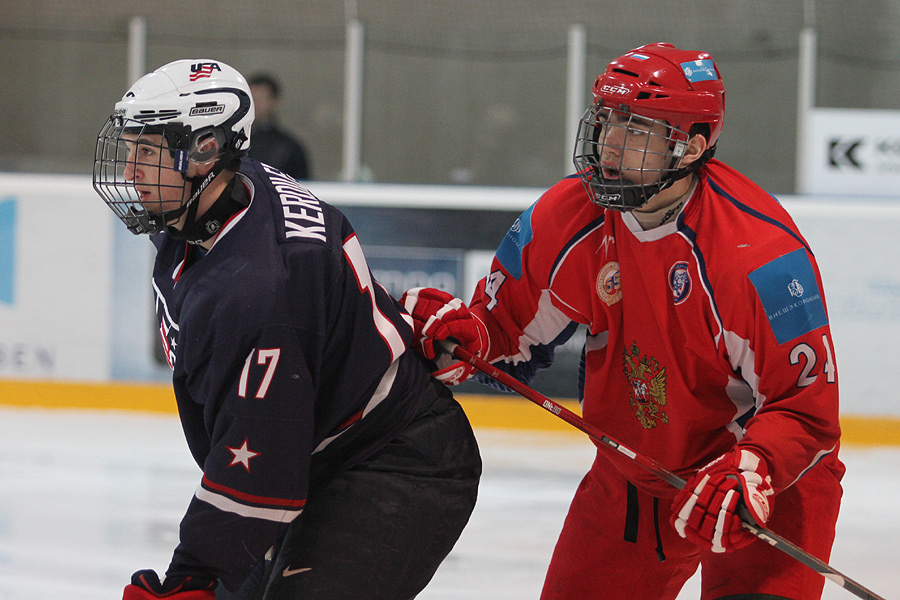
point(659, 81)
point(656, 83)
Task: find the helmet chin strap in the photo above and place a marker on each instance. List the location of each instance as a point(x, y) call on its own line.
point(198, 185)
point(162, 220)
point(197, 230)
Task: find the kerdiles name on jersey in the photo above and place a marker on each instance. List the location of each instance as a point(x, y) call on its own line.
point(303, 215)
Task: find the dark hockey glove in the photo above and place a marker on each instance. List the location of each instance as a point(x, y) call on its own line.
point(145, 585)
point(706, 510)
point(439, 316)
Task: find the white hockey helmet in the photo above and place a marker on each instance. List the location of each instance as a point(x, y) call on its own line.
point(188, 102)
point(197, 94)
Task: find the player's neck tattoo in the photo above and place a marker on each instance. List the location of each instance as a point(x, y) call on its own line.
point(661, 216)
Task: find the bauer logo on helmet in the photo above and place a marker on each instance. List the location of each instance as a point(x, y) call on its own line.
point(207, 109)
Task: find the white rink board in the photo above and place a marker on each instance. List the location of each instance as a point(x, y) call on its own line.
point(54, 317)
point(82, 281)
point(857, 249)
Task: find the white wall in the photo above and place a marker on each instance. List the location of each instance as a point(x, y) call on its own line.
point(56, 251)
point(858, 251)
point(81, 281)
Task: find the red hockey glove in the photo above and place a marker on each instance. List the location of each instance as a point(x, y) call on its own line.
point(705, 511)
point(439, 316)
point(145, 585)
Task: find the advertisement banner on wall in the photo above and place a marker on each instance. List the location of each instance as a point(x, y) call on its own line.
point(851, 152)
point(457, 272)
point(55, 279)
point(401, 268)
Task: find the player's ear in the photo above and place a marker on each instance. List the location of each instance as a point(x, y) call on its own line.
point(697, 145)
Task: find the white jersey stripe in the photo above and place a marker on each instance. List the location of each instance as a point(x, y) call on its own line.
point(387, 329)
point(381, 392)
point(225, 504)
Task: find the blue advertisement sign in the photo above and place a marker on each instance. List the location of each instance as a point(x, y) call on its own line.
point(401, 268)
point(7, 250)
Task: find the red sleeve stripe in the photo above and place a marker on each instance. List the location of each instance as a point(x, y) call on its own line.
point(226, 504)
point(241, 496)
point(350, 421)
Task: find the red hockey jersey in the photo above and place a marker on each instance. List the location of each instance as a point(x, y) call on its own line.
point(704, 332)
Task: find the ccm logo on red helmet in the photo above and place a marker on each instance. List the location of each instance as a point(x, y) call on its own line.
point(617, 90)
point(200, 70)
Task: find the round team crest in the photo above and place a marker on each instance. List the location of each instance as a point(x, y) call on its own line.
point(680, 282)
point(609, 283)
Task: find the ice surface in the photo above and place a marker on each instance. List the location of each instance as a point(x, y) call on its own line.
point(86, 498)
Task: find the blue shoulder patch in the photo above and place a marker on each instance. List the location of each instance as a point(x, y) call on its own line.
point(790, 295)
point(510, 251)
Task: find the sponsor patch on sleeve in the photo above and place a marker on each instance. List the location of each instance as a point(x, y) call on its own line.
point(790, 295)
point(509, 253)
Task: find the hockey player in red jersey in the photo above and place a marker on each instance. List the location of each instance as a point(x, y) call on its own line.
point(333, 465)
point(707, 346)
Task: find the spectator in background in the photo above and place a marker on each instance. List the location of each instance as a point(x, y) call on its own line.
point(273, 145)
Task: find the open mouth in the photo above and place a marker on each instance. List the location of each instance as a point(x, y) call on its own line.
point(144, 195)
point(609, 171)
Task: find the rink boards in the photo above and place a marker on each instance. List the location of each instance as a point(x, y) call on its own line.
point(77, 323)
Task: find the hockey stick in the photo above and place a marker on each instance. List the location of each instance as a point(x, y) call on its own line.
point(768, 536)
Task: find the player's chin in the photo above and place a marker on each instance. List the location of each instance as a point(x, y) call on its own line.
point(152, 208)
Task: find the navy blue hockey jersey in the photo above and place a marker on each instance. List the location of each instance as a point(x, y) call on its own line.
point(289, 363)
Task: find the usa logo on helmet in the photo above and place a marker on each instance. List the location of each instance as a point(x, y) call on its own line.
point(201, 70)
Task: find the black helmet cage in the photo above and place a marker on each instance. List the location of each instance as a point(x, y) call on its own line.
point(628, 190)
point(111, 157)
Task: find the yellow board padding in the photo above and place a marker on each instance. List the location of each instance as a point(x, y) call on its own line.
point(870, 431)
point(505, 412)
point(157, 398)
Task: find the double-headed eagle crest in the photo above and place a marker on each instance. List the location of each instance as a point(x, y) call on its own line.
point(648, 387)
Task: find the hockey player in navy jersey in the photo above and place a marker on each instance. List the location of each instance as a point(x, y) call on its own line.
point(708, 346)
point(324, 443)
